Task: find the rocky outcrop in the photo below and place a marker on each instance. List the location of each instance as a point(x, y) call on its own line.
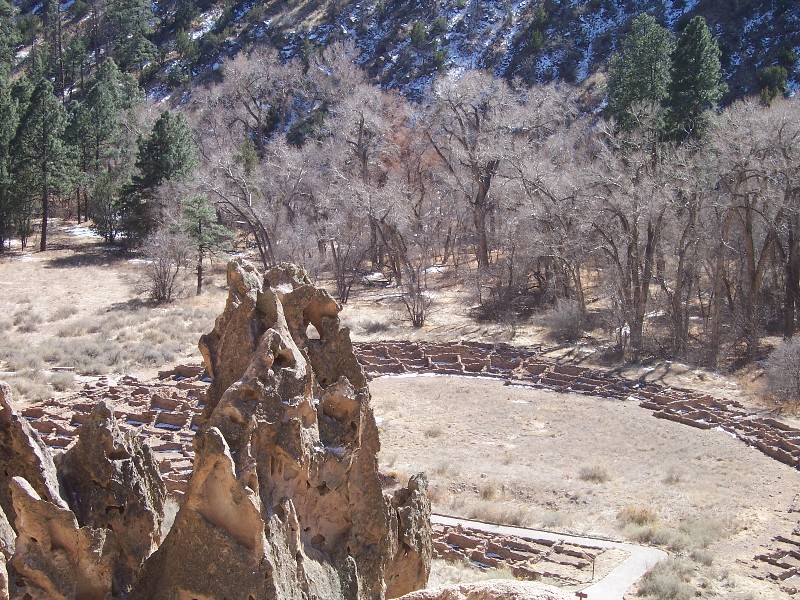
point(7, 539)
point(56, 558)
point(111, 481)
point(412, 549)
point(22, 454)
point(493, 589)
point(285, 493)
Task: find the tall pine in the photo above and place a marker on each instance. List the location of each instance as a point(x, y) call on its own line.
point(696, 81)
point(9, 37)
point(8, 127)
point(639, 72)
point(168, 153)
point(40, 154)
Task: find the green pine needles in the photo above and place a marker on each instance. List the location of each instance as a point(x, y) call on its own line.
point(682, 80)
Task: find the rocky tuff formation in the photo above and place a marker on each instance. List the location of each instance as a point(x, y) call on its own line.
point(284, 500)
point(111, 481)
point(494, 589)
point(23, 454)
point(89, 542)
point(7, 540)
point(56, 558)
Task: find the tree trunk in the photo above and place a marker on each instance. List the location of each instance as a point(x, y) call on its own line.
point(45, 214)
point(199, 273)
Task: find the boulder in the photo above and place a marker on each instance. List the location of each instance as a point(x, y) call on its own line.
point(111, 481)
point(57, 559)
point(23, 454)
point(493, 589)
point(285, 500)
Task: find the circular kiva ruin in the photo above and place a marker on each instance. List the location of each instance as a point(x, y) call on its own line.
point(169, 410)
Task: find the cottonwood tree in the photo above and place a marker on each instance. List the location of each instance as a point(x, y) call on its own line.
point(470, 125)
point(755, 207)
point(632, 197)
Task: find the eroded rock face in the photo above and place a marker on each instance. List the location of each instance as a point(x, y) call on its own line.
point(412, 549)
point(111, 481)
point(285, 500)
point(57, 559)
point(23, 454)
point(7, 539)
point(493, 589)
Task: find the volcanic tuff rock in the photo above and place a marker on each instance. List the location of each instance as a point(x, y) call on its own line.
point(58, 559)
point(111, 481)
point(23, 454)
point(284, 500)
point(7, 538)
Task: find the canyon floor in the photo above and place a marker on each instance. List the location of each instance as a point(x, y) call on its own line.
point(500, 453)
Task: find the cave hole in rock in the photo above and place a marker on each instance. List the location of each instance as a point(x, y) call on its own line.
point(120, 454)
point(318, 540)
point(323, 488)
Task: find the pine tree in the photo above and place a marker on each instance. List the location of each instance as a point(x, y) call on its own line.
point(131, 26)
point(639, 72)
point(206, 234)
point(169, 153)
point(9, 37)
point(8, 128)
point(696, 81)
point(40, 155)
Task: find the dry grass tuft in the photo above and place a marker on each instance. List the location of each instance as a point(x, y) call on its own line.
point(668, 580)
point(594, 473)
point(637, 515)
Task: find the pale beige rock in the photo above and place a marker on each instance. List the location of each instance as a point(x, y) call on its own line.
point(7, 542)
point(493, 589)
point(111, 481)
point(57, 559)
point(412, 551)
point(23, 454)
point(285, 500)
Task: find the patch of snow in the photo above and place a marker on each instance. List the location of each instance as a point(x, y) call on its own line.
point(207, 21)
point(81, 232)
point(725, 431)
point(140, 261)
point(36, 8)
point(67, 4)
point(23, 52)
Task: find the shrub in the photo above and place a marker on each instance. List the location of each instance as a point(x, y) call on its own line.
point(594, 473)
point(668, 580)
point(565, 321)
point(167, 252)
point(783, 372)
point(638, 515)
point(418, 34)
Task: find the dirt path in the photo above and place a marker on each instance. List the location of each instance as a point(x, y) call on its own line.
point(611, 587)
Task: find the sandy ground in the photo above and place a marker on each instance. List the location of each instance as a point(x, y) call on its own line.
point(496, 452)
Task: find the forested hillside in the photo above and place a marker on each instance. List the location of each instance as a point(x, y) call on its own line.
point(626, 200)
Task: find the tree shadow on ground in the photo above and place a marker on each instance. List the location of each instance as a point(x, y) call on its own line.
point(99, 256)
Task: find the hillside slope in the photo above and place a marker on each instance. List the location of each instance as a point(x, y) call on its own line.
point(404, 44)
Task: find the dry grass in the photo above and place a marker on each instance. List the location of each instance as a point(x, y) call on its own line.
point(594, 474)
point(111, 342)
point(668, 580)
point(637, 515)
